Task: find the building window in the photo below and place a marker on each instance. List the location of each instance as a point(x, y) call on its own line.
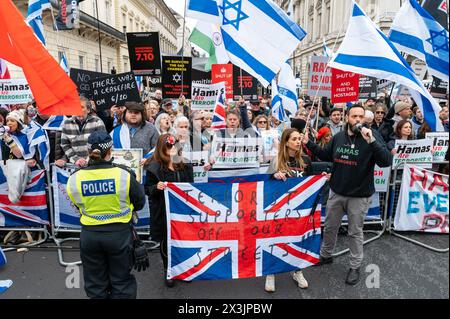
point(81, 62)
point(130, 25)
point(94, 9)
point(97, 64)
point(125, 64)
point(109, 64)
point(108, 12)
point(60, 56)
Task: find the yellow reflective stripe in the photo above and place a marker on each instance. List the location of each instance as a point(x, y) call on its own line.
point(124, 189)
point(76, 194)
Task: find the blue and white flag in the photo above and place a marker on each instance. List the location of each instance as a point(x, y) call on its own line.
point(38, 143)
point(287, 89)
point(2, 254)
point(366, 50)
point(203, 10)
point(277, 104)
point(34, 17)
point(326, 50)
point(54, 123)
point(64, 64)
point(258, 35)
point(416, 32)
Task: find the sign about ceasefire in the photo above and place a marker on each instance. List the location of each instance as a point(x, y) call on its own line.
point(344, 86)
point(423, 201)
point(204, 96)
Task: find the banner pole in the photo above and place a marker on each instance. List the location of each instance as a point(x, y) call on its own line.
point(182, 48)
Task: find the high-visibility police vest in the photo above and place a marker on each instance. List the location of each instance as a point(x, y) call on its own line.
point(102, 195)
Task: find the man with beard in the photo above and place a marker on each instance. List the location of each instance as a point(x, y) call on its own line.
point(354, 153)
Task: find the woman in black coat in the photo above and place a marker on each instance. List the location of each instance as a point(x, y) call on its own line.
point(164, 167)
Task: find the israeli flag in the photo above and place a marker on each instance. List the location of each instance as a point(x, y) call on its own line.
point(34, 17)
point(366, 50)
point(2, 257)
point(258, 35)
point(277, 104)
point(287, 89)
point(415, 32)
point(63, 63)
point(38, 143)
point(327, 51)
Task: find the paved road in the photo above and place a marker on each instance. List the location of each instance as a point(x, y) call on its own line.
point(406, 271)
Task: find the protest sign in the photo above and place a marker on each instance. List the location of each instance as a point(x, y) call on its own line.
point(381, 179)
point(143, 49)
point(236, 152)
point(439, 88)
point(244, 84)
point(423, 201)
point(242, 230)
point(176, 70)
point(81, 78)
point(440, 145)
point(367, 87)
point(413, 151)
point(320, 73)
point(114, 90)
point(15, 91)
point(344, 86)
point(68, 17)
point(204, 96)
point(131, 158)
point(198, 161)
point(270, 141)
point(223, 73)
point(201, 77)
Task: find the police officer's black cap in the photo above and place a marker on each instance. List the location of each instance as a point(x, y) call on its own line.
point(134, 106)
point(298, 124)
point(99, 140)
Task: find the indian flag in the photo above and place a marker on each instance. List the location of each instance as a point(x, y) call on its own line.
point(208, 37)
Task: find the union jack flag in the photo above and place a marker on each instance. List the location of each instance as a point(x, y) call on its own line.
point(32, 208)
point(242, 230)
point(220, 114)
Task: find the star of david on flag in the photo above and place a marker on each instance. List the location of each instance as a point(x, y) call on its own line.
point(258, 35)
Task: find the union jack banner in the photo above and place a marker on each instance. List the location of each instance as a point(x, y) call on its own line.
point(242, 230)
point(220, 114)
point(32, 208)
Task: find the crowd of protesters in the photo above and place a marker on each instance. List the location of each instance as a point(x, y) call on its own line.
point(165, 129)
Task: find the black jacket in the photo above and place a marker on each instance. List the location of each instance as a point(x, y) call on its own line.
point(353, 168)
point(155, 174)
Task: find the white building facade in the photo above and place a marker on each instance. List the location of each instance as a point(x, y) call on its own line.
point(115, 17)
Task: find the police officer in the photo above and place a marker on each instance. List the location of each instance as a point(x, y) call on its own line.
point(106, 195)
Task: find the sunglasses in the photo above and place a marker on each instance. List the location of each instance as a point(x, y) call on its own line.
point(262, 122)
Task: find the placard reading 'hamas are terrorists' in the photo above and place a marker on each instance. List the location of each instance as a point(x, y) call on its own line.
point(114, 90)
point(177, 76)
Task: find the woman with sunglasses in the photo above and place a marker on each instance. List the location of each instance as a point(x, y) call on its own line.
point(165, 166)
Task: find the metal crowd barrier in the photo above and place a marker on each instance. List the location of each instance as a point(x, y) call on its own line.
point(76, 232)
point(395, 190)
point(43, 229)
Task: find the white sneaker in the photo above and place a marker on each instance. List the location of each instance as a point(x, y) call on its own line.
point(300, 279)
point(270, 283)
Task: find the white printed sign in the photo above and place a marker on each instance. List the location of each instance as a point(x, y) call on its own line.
point(204, 96)
point(440, 145)
point(423, 201)
point(236, 152)
point(381, 179)
point(413, 151)
point(15, 91)
point(270, 142)
point(198, 161)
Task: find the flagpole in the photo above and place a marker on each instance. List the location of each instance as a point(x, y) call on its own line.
point(182, 48)
point(99, 37)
